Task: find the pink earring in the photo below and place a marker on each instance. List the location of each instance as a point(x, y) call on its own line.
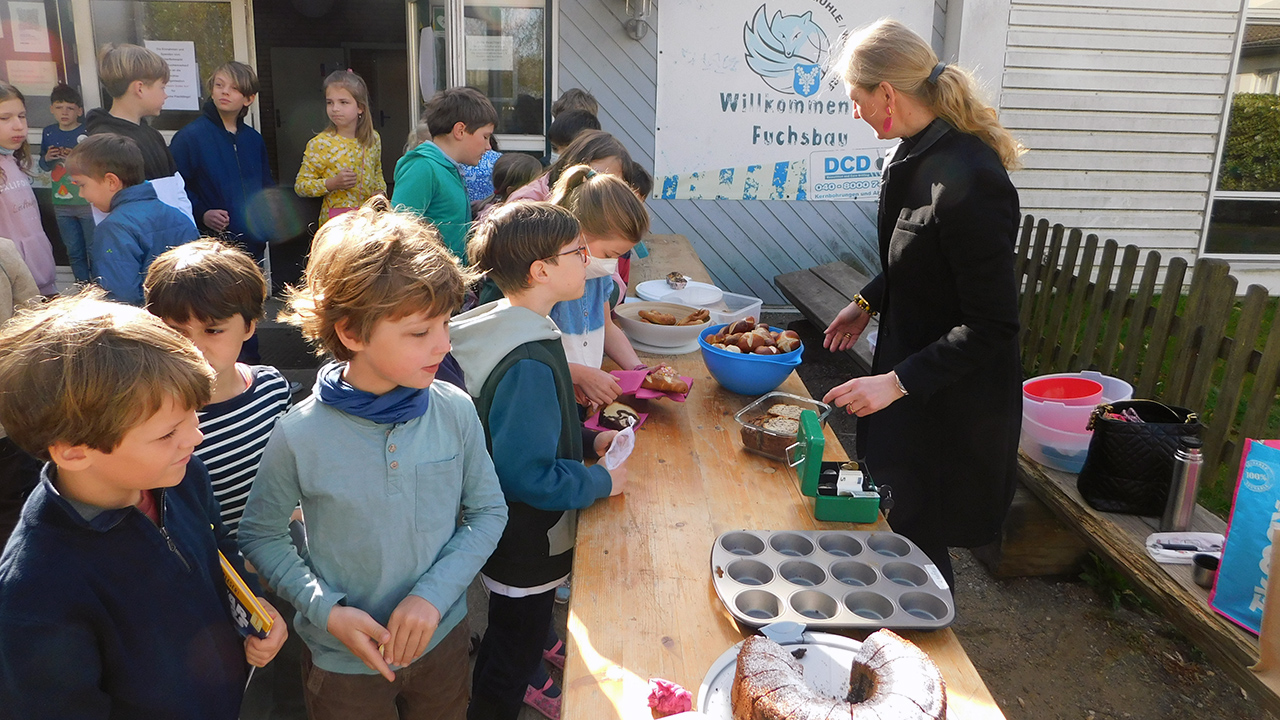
point(888, 121)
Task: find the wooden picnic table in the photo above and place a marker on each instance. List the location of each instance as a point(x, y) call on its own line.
point(643, 605)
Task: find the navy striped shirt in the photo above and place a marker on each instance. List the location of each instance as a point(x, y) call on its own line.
point(235, 433)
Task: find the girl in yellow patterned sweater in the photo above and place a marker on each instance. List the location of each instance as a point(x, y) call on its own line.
point(344, 162)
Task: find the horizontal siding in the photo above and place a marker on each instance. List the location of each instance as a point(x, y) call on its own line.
point(743, 244)
point(1121, 103)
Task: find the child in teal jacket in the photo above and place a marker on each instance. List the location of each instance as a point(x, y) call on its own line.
point(428, 180)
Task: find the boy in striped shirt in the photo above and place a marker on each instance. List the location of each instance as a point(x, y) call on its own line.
point(214, 294)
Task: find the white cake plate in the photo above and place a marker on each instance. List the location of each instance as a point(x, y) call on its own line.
point(827, 662)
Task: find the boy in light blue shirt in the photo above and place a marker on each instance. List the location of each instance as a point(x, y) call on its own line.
point(401, 501)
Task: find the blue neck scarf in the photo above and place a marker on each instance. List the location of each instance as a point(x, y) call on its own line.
point(399, 405)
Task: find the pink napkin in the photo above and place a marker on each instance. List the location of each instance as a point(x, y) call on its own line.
point(629, 381)
point(667, 698)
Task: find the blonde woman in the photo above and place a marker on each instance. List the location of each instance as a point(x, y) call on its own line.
point(941, 410)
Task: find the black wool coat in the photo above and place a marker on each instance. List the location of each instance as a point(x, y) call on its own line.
point(948, 305)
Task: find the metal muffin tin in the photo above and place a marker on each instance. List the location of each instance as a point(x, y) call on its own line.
point(829, 579)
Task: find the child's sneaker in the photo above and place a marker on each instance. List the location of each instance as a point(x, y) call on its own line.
point(562, 593)
point(555, 654)
point(545, 699)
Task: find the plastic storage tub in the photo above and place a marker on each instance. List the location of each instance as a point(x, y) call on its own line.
point(733, 307)
point(766, 442)
point(1067, 390)
point(1060, 450)
point(1073, 418)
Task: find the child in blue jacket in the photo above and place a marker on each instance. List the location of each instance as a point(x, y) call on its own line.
point(138, 227)
point(112, 596)
point(224, 161)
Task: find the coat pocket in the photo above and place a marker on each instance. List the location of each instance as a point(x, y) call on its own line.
point(438, 494)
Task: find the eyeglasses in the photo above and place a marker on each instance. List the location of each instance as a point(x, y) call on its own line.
point(580, 250)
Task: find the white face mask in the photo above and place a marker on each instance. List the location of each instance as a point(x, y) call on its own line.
point(600, 267)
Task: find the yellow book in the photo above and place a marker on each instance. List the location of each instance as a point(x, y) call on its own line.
point(250, 616)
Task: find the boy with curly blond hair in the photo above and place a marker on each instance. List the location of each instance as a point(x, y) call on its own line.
point(401, 501)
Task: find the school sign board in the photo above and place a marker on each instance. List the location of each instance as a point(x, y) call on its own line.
point(748, 107)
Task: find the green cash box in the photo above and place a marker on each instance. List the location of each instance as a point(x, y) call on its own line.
point(806, 459)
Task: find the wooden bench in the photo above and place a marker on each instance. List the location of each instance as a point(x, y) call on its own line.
point(821, 293)
point(1088, 304)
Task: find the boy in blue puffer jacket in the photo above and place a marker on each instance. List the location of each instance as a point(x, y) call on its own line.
point(138, 227)
point(224, 161)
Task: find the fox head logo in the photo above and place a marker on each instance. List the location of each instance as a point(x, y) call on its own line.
point(787, 51)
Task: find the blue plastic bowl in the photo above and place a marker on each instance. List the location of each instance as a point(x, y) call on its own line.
point(746, 374)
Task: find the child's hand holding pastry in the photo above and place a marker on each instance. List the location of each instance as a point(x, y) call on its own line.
point(598, 386)
point(260, 651)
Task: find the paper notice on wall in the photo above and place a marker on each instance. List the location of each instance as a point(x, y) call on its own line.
point(34, 78)
point(184, 73)
point(491, 52)
point(28, 26)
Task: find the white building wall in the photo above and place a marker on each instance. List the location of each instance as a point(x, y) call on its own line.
point(1121, 103)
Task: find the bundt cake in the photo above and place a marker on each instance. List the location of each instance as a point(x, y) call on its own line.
point(891, 679)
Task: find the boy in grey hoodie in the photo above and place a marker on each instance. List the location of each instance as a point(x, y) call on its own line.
point(517, 374)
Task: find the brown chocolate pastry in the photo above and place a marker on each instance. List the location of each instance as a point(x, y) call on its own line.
point(618, 416)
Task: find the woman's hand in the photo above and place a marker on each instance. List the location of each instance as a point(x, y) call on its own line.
point(597, 386)
point(845, 330)
point(344, 180)
point(865, 395)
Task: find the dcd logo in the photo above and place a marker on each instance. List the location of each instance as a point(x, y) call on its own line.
point(848, 163)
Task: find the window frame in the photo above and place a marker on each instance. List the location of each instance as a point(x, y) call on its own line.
point(455, 73)
point(1265, 16)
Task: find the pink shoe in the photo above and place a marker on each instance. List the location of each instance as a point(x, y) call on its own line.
point(555, 655)
point(537, 699)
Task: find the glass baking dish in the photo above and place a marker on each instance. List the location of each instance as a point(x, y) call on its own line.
point(769, 443)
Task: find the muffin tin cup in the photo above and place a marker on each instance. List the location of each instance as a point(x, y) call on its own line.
point(829, 579)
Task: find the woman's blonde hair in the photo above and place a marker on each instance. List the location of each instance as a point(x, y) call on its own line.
point(354, 84)
point(372, 264)
point(604, 205)
point(887, 51)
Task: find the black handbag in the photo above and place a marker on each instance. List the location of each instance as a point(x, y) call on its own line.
point(1129, 468)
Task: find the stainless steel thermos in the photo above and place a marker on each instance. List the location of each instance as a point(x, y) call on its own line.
point(1182, 491)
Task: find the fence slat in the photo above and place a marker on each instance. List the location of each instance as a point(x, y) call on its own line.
point(1024, 246)
point(1045, 298)
point(1162, 329)
point(1057, 313)
point(1118, 309)
point(1216, 313)
point(1218, 444)
point(1263, 395)
point(1081, 288)
point(1097, 300)
point(1190, 332)
point(1141, 317)
point(1034, 268)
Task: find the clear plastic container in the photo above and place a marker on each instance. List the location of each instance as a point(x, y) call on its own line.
point(733, 307)
point(1059, 450)
point(766, 442)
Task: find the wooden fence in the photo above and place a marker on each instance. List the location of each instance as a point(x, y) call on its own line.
point(1088, 305)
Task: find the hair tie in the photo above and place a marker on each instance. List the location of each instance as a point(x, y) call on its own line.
point(937, 70)
point(591, 174)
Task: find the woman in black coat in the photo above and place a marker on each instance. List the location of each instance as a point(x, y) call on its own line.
point(941, 411)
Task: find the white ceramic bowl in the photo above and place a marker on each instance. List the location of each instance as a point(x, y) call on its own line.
point(662, 336)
